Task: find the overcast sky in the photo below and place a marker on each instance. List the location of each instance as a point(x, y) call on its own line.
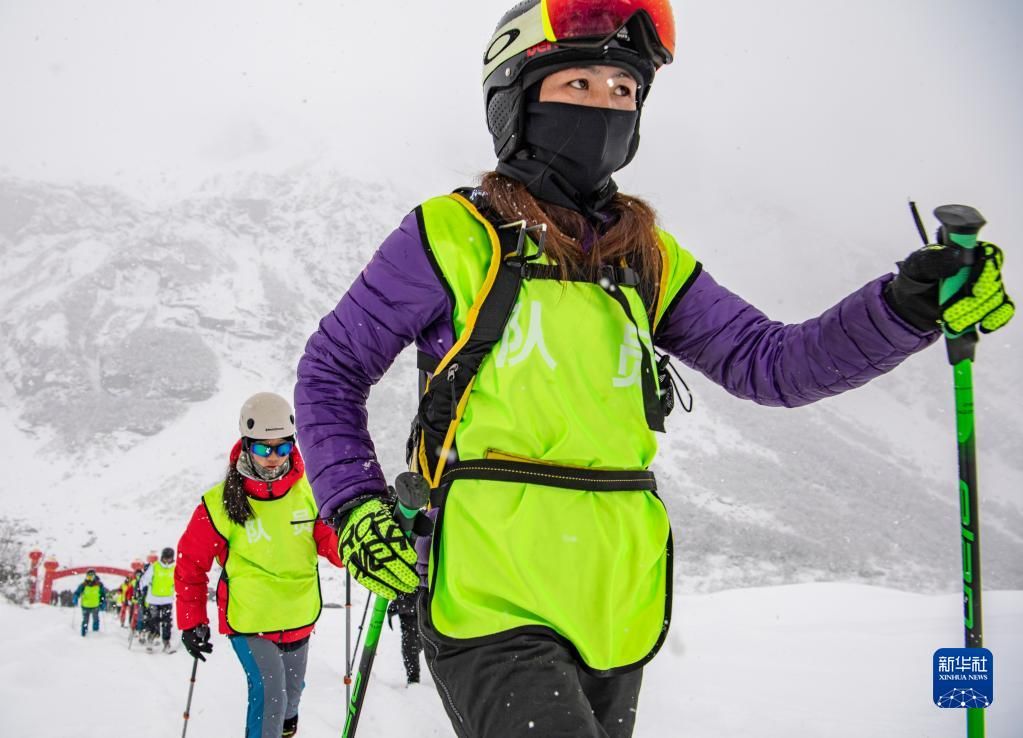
point(834, 108)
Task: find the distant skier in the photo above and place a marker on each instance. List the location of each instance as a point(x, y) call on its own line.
point(142, 609)
point(127, 594)
point(263, 514)
point(92, 594)
point(411, 645)
point(158, 581)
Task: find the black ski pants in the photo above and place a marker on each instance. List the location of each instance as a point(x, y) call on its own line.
point(528, 685)
point(406, 607)
point(88, 612)
point(411, 645)
point(141, 622)
point(159, 621)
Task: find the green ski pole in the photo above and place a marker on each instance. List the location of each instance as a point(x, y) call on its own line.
point(413, 493)
point(369, 652)
point(960, 225)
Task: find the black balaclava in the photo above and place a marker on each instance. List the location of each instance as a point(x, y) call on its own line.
point(571, 152)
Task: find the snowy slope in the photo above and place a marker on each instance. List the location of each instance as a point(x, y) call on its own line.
point(841, 661)
point(779, 148)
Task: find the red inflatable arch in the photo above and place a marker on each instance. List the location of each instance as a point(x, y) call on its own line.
point(52, 574)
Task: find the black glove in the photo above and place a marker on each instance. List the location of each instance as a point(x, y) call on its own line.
point(913, 294)
point(197, 641)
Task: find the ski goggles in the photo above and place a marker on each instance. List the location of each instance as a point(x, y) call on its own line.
point(263, 450)
point(598, 21)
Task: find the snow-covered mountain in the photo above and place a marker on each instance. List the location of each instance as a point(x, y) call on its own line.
point(132, 331)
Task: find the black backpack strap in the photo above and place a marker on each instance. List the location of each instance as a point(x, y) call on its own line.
point(444, 399)
point(431, 443)
point(426, 363)
point(611, 278)
point(652, 407)
point(553, 475)
point(622, 276)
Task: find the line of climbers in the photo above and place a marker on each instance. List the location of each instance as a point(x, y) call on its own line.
point(143, 602)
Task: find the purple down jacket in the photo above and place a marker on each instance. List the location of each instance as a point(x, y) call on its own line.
point(398, 299)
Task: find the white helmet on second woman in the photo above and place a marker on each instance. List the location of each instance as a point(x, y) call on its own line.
point(266, 415)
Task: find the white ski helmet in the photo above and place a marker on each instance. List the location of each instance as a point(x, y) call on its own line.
point(266, 415)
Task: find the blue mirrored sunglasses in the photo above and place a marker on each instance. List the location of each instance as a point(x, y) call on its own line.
point(264, 450)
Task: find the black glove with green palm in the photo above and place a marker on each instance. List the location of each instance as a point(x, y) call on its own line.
point(377, 551)
point(980, 302)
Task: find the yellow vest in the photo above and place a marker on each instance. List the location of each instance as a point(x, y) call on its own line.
point(271, 569)
point(90, 594)
point(163, 580)
point(562, 389)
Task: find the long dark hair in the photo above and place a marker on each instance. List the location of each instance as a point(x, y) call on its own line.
point(631, 236)
point(236, 502)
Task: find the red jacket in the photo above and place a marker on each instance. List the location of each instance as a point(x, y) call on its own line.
point(201, 543)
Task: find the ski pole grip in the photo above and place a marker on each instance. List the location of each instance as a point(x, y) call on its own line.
point(413, 494)
point(404, 512)
point(960, 225)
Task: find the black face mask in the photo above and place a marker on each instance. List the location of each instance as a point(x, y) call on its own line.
point(572, 150)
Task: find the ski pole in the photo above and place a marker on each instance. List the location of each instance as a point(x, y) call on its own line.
point(133, 618)
point(348, 636)
point(191, 687)
point(960, 225)
point(369, 652)
point(413, 493)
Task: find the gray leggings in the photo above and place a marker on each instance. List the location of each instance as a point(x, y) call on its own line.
point(276, 676)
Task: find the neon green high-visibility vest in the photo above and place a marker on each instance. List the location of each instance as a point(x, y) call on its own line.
point(90, 595)
point(562, 388)
point(163, 580)
point(273, 581)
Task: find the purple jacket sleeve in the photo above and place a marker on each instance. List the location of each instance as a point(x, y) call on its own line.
point(719, 334)
point(396, 299)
